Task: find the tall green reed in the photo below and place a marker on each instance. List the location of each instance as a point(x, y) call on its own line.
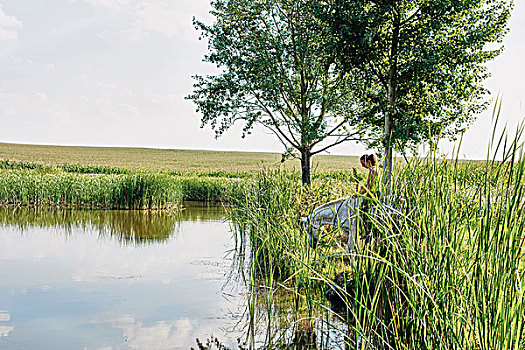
point(266, 212)
point(444, 268)
point(135, 191)
point(7, 164)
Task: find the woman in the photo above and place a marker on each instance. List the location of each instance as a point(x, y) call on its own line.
point(344, 212)
point(369, 191)
point(368, 161)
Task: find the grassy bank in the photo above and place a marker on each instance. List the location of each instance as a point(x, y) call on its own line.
point(95, 186)
point(139, 178)
point(444, 267)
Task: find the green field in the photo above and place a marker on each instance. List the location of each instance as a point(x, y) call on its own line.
point(165, 159)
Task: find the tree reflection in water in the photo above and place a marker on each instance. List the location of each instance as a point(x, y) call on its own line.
point(128, 226)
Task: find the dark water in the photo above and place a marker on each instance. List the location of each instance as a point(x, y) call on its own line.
point(117, 279)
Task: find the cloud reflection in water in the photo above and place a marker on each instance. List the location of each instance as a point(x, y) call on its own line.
point(109, 283)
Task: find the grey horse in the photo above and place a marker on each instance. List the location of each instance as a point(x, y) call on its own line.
point(342, 213)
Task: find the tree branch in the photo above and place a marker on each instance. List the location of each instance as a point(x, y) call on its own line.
point(341, 140)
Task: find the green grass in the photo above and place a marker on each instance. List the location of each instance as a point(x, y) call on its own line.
point(51, 186)
point(125, 178)
point(444, 269)
point(58, 189)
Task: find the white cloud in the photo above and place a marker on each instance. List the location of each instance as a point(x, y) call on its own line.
point(161, 335)
point(4, 330)
point(113, 262)
point(157, 17)
point(112, 4)
point(104, 100)
point(8, 26)
point(4, 316)
point(32, 107)
point(154, 17)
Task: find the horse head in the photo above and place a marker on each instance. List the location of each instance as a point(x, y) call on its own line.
point(310, 231)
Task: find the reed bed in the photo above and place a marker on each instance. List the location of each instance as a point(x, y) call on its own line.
point(96, 187)
point(89, 186)
point(206, 189)
point(442, 266)
point(136, 191)
point(7, 164)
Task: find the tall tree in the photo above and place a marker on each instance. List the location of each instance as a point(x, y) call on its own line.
point(274, 72)
point(426, 58)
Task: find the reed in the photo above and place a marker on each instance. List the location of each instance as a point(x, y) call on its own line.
point(35, 184)
point(7, 164)
point(444, 267)
point(205, 188)
point(75, 185)
point(135, 191)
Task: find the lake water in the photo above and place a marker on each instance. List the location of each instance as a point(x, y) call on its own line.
point(72, 279)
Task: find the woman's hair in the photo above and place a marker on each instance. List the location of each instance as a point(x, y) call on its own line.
point(369, 158)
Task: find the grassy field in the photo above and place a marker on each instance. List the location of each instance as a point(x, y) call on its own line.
point(165, 159)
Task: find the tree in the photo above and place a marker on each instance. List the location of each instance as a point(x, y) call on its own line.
point(426, 59)
point(275, 73)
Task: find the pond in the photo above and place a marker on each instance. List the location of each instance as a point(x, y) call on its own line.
point(73, 279)
point(113, 279)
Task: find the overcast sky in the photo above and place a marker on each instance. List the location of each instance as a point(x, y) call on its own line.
point(115, 73)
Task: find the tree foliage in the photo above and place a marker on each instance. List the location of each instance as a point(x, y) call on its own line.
point(426, 59)
point(275, 72)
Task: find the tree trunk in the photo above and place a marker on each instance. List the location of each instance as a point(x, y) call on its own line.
point(387, 166)
point(305, 166)
point(389, 117)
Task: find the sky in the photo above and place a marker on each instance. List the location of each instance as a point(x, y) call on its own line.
point(115, 73)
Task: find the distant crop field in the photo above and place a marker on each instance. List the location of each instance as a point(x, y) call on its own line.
point(165, 159)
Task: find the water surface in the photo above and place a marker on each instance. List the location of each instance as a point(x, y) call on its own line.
point(72, 279)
